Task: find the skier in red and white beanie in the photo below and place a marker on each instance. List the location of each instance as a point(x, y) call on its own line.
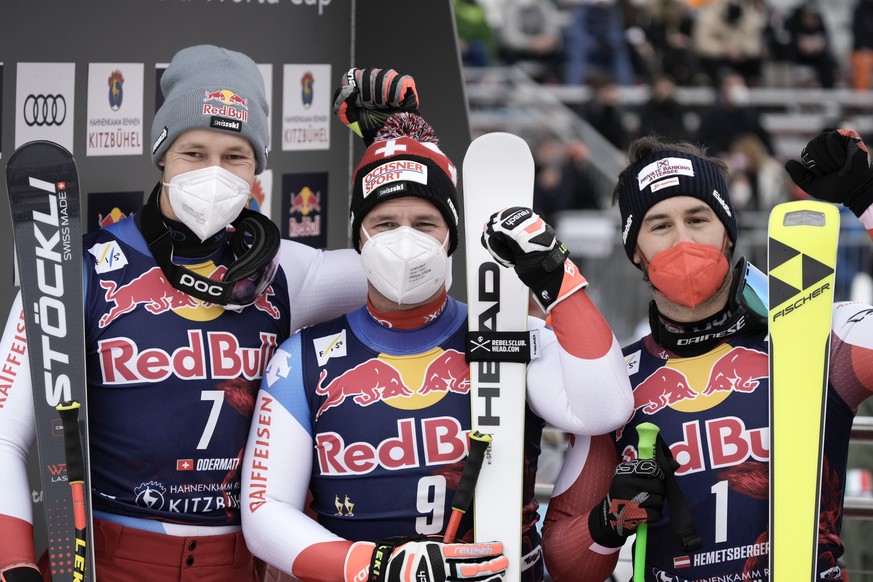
point(369, 413)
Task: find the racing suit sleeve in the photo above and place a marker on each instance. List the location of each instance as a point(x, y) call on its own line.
point(322, 285)
point(568, 549)
point(851, 364)
point(275, 478)
point(579, 384)
point(17, 434)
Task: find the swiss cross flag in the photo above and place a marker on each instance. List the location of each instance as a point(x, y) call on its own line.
point(407, 146)
point(185, 464)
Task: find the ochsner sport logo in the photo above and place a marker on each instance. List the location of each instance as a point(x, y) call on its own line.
point(663, 168)
point(50, 230)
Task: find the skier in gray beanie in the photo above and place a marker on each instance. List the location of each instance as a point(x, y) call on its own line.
point(177, 305)
point(210, 87)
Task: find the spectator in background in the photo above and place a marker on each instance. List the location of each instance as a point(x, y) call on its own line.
point(531, 36)
point(731, 117)
point(730, 34)
point(604, 112)
point(594, 41)
point(668, 26)
point(809, 42)
point(862, 44)
point(476, 39)
point(563, 180)
point(757, 180)
point(662, 115)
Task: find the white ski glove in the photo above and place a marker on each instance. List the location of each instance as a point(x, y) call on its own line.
point(518, 237)
point(402, 559)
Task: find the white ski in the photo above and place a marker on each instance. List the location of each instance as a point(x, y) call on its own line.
point(498, 172)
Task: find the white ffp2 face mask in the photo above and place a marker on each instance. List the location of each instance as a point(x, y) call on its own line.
point(405, 265)
point(208, 199)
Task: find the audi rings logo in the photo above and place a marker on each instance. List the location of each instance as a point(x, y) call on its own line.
point(42, 110)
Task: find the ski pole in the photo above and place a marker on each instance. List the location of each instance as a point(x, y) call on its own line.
point(464, 493)
point(647, 433)
point(69, 412)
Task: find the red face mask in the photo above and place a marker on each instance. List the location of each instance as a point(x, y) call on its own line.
point(688, 273)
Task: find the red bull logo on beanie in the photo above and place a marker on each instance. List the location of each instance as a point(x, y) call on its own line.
point(230, 106)
point(227, 97)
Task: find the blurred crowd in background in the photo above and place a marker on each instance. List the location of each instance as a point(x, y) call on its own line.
point(634, 60)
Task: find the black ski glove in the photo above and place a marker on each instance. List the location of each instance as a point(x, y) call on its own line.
point(367, 97)
point(518, 237)
point(21, 573)
point(636, 496)
point(835, 167)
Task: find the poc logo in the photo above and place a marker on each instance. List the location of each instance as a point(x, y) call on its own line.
point(200, 285)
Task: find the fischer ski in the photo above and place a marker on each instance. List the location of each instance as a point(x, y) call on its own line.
point(43, 186)
point(802, 255)
point(498, 172)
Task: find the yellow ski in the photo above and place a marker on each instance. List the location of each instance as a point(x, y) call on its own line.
point(802, 254)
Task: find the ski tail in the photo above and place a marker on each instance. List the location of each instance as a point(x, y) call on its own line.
point(69, 412)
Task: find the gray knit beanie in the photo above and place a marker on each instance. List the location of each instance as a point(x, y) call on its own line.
point(210, 87)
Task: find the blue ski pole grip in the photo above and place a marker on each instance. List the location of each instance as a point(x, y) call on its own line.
point(648, 435)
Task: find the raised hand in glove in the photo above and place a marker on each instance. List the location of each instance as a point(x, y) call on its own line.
point(636, 496)
point(404, 559)
point(518, 237)
point(367, 97)
point(834, 166)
